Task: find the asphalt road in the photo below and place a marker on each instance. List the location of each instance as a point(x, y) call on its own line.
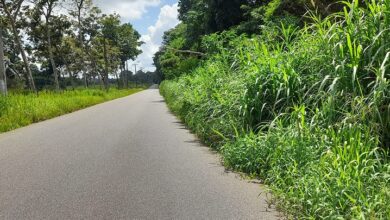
point(124, 159)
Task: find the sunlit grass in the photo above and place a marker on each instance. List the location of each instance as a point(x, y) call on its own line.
point(19, 110)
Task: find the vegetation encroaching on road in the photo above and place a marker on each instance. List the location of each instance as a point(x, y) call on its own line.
point(298, 99)
point(17, 110)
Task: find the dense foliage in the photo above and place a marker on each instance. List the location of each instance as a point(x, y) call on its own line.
point(303, 104)
point(204, 17)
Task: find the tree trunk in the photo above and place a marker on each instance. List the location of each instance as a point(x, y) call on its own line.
point(70, 76)
point(105, 78)
point(72, 80)
point(127, 75)
point(26, 63)
point(18, 42)
point(3, 76)
point(51, 57)
point(117, 80)
point(100, 78)
point(101, 81)
point(81, 41)
point(123, 76)
point(85, 79)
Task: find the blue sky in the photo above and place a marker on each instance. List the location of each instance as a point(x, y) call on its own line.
point(151, 18)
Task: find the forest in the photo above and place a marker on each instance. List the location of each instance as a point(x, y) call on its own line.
point(295, 93)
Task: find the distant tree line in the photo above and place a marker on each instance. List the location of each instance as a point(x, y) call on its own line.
point(147, 77)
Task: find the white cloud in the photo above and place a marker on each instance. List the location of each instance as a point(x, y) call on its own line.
point(167, 19)
point(128, 9)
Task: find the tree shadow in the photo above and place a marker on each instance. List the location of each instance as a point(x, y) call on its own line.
point(158, 101)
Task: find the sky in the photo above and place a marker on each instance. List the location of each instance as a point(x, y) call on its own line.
point(151, 18)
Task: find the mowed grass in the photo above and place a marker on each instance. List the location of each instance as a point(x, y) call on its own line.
point(18, 110)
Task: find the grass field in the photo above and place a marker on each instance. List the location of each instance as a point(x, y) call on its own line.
point(17, 110)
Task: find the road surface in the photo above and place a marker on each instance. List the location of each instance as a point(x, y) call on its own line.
point(124, 159)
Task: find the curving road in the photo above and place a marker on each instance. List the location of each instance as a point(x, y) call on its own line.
point(124, 159)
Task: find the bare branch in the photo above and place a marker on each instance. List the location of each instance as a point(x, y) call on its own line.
point(186, 51)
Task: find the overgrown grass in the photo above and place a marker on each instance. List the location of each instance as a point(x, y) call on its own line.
point(17, 110)
point(305, 109)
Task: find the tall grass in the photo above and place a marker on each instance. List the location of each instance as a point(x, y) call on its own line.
point(305, 109)
point(17, 110)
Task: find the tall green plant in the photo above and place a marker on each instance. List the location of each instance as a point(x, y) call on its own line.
point(307, 109)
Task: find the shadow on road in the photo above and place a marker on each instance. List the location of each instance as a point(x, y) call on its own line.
point(159, 101)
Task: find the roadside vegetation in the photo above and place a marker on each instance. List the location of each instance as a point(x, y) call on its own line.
point(295, 93)
point(58, 56)
point(18, 110)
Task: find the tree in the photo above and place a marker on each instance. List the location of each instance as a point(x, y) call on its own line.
point(70, 53)
point(105, 58)
point(3, 77)
point(173, 59)
point(224, 14)
point(14, 66)
point(85, 22)
point(128, 42)
point(91, 30)
point(109, 36)
point(194, 16)
point(45, 8)
point(12, 10)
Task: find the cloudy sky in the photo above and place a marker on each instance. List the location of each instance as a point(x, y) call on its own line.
point(151, 18)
